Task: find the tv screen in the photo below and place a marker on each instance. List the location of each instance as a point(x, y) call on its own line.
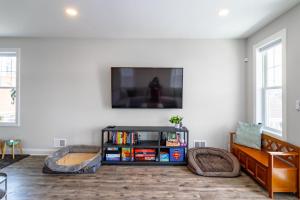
point(146, 87)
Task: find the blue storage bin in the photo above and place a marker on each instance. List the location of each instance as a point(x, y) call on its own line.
point(177, 154)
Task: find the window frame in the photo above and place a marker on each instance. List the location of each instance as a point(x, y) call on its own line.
point(17, 122)
point(258, 93)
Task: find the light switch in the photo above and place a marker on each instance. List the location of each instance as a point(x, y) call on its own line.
point(298, 105)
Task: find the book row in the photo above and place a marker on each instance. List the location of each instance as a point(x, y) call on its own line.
point(122, 137)
point(168, 139)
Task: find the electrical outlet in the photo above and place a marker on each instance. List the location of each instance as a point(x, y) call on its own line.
point(60, 142)
point(298, 105)
point(199, 143)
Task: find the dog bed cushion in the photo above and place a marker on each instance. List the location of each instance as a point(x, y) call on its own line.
point(74, 159)
point(213, 162)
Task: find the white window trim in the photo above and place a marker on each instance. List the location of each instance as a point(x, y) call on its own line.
point(279, 35)
point(18, 107)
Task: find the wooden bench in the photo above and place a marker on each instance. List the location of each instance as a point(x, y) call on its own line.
point(275, 167)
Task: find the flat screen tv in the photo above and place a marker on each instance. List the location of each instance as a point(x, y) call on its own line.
point(139, 87)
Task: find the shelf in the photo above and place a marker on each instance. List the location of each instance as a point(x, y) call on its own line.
point(142, 163)
point(168, 147)
point(147, 129)
point(109, 144)
point(147, 144)
point(143, 144)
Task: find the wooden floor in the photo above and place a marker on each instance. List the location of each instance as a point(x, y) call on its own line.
point(27, 182)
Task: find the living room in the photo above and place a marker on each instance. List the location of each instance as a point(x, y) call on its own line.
point(65, 69)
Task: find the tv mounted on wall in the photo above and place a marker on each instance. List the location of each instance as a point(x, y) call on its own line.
point(141, 87)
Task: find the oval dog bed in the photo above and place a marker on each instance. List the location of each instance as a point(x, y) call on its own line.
point(73, 159)
point(215, 162)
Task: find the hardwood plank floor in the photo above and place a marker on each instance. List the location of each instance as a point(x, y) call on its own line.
point(27, 182)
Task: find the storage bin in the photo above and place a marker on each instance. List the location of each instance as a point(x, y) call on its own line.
point(177, 154)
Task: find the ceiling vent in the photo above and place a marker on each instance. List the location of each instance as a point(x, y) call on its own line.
point(60, 142)
point(199, 143)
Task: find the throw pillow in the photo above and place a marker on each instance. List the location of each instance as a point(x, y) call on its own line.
point(249, 135)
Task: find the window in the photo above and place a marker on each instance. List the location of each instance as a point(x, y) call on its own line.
point(9, 87)
point(270, 84)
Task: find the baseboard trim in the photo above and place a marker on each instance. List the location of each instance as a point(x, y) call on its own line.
point(38, 152)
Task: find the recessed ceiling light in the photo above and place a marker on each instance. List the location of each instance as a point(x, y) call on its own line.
point(71, 12)
point(223, 12)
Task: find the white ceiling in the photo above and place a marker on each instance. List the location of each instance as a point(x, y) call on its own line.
point(138, 18)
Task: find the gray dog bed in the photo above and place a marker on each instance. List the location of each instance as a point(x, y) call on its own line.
point(213, 162)
point(73, 159)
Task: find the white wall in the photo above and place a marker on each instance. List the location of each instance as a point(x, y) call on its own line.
point(289, 21)
point(65, 87)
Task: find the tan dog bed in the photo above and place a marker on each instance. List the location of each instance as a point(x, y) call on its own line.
point(73, 159)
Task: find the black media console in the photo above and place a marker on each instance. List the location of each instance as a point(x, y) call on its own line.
point(144, 145)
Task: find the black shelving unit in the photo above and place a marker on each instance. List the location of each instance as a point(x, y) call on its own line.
point(147, 144)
